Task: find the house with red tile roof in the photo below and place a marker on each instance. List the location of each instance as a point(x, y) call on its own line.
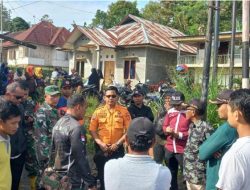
point(136, 49)
point(47, 38)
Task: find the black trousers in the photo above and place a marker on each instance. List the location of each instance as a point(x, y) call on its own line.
point(174, 160)
point(159, 153)
point(16, 170)
point(100, 159)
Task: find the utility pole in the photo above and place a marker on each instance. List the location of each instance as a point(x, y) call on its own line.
point(245, 44)
point(208, 44)
point(216, 38)
point(232, 45)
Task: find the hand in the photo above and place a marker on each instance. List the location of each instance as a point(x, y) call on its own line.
point(104, 147)
point(113, 147)
point(168, 131)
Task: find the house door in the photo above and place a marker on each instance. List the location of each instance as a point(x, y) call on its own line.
point(80, 67)
point(109, 70)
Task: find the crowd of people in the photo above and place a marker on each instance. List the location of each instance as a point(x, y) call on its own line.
point(133, 148)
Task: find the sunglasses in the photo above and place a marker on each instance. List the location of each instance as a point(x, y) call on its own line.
point(18, 97)
point(111, 96)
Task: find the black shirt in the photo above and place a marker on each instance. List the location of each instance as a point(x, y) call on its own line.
point(144, 111)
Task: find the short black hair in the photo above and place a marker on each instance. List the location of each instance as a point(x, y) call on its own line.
point(112, 88)
point(17, 84)
point(75, 100)
point(240, 100)
point(8, 110)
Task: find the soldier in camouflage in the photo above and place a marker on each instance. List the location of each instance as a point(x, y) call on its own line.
point(195, 169)
point(30, 160)
point(45, 119)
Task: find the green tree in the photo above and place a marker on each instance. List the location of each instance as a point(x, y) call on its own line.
point(46, 18)
point(190, 17)
point(116, 12)
point(18, 24)
point(100, 19)
point(6, 18)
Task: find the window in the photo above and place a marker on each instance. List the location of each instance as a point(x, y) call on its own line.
point(129, 69)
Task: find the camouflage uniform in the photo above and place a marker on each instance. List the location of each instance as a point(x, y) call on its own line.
point(30, 161)
point(45, 119)
point(195, 169)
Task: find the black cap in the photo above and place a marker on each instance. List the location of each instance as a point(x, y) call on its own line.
point(66, 83)
point(141, 133)
point(196, 104)
point(222, 98)
point(137, 92)
point(177, 98)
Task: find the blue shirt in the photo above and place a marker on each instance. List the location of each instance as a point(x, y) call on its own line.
point(62, 102)
point(221, 140)
point(138, 172)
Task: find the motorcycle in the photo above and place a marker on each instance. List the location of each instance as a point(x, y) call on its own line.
point(90, 90)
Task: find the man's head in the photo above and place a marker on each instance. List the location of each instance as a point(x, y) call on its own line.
point(10, 116)
point(140, 135)
point(167, 98)
point(177, 99)
point(52, 94)
point(16, 91)
point(66, 88)
point(221, 101)
point(76, 106)
point(239, 108)
point(138, 97)
point(195, 109)
point(111, 96)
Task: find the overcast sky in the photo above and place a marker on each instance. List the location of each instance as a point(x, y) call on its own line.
point(62, 12)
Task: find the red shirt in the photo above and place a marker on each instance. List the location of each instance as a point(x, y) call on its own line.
point(177, 121)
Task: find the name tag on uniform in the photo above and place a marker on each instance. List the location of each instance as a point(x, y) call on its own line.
point(83, 138)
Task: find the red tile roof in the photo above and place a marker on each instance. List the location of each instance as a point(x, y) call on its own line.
point(136, 31)
point(43, 33)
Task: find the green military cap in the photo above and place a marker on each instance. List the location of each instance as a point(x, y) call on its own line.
point(51, 90)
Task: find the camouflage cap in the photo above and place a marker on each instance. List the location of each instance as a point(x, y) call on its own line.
point(51, 90)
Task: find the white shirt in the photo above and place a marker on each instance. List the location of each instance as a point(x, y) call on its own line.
point(136, 172)
point(235, 167)
point(54, 75)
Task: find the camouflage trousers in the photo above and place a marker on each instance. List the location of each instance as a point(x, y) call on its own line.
point(31, 164)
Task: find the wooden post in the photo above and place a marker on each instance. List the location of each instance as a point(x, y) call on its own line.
point(216, 39)
point(245, 44)
point(232, 45)
point(206, 67)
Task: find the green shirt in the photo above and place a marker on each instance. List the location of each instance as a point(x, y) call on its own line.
point(220, 141)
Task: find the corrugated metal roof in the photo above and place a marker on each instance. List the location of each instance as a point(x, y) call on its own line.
point(44, 33)
point(136, 31)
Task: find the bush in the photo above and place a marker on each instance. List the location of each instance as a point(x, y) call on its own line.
point(191, 90)
point(93, 103)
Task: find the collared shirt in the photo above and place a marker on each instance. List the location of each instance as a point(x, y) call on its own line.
point(110, 124)
point(5, 174)
point(45, 119)
point(195, 169)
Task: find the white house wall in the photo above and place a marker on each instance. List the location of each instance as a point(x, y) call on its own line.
point(42, 56)
point(60, 58)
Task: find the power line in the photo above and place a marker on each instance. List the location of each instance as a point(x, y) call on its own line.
point(25, 5)
point(71, 8)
